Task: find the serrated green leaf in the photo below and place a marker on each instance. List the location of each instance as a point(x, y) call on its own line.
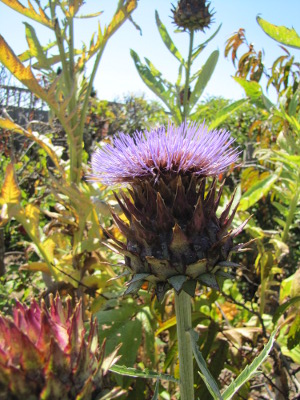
point(146, 75)
point(281, 208)
point(249, 371)
point(167, 39)
point(26, 55)
point(35, 47)
point(252, 88)
point(155, 72)
point(203, 78)
point(145, 316)
point(204, 44)
point(96, 14)
point(293, 339)
point(283, 307)
point(207, 377)
point(155, 396)
point(156, 84)
point(257, 191)
point(223, 114)
point(294, 104)
point(130, 335)
point(279, 222)
point(179, 75)
point(137, 373)
point(281, 34)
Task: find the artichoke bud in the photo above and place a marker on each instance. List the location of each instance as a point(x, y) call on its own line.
point(177, 240)
point(174, 237)
point(44, 354)
point(192, 15)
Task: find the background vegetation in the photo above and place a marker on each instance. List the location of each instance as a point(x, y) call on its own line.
point(52, 220)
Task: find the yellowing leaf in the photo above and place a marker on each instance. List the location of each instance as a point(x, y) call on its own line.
point(5, 123)
point(281, 34)
point(120, 17)
point(10, 191)
point(166, 325)
point(54, 245)
point(32, 214)
point(74, 7)
point(95, 282)
point(36, 267)
point(24, 74)
point(29, 12)
point(43, 142)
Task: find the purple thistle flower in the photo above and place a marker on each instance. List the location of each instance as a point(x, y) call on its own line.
point(187, 149)
point(174, 237)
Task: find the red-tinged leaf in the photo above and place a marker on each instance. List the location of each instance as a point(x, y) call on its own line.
point(238, 230)
point(22, 350)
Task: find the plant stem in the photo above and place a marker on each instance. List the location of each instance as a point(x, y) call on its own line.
point(183, 310)
point(292, 211)
point(187, 78)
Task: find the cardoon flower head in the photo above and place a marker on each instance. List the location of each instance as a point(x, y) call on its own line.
point(192, 15)
point(174, 237)
point(183, 150)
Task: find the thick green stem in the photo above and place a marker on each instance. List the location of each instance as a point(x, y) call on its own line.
point(187, 78)
point(183, 310)
point(75, 139)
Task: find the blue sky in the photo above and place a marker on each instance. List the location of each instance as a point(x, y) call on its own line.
point(117, 75)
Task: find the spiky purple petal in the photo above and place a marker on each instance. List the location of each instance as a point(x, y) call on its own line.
point(187, 149)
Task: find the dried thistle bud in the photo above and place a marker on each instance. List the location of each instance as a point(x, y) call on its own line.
point(192, 15)
point(174, 236)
